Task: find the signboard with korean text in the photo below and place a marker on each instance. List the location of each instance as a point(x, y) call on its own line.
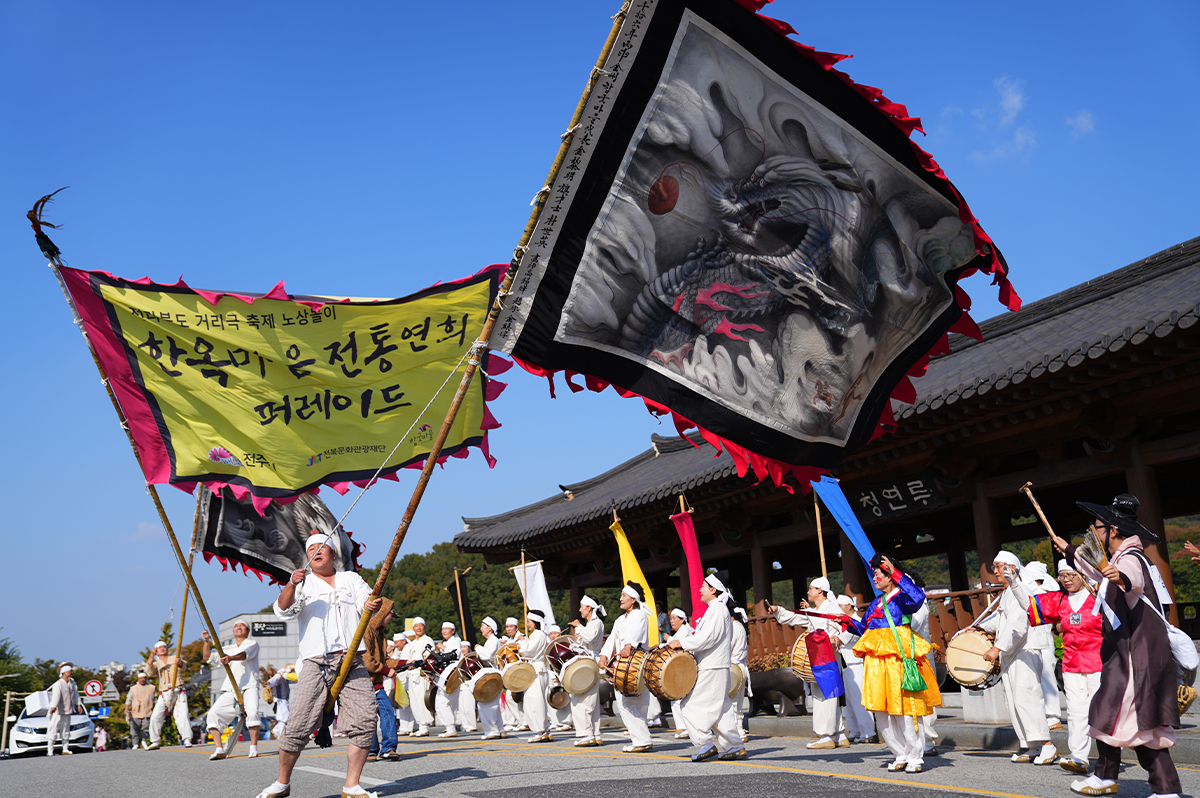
point(274, 395)
point(900, 496)
point(268, 628)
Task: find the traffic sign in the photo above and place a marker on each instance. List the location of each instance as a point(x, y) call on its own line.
point(93, 689)
point(110, 692)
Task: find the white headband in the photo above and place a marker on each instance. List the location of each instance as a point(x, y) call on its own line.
point(553, 628)
point(845, 600)
point(418, 620)
point(537, 615)
point(715, 583)
point(633, 594)
point(490, 623)
point(1008, 558)
point(741, 613)
point(1063, 565)
point(678, 613)
point(510, 621)
point(318, 539)
point(398, 637)
point(160, 643)
point(65, 669)
point(588, 601)
point(448, 625)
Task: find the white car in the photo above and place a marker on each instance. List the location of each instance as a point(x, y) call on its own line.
point(29, 734)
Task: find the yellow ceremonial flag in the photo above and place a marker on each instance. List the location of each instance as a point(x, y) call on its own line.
point(274, 394)
point(632, 572)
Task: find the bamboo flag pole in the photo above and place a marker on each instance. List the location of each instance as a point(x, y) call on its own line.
point(186, 588)
point(462, 619)
point(472, 364)
point(820, 537)
point(525, 593)
point(55, 264)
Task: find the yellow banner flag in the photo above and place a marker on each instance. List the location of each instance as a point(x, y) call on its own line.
point(274, 395)
point(632, 572)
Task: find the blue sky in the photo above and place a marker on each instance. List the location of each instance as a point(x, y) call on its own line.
point(372, 149)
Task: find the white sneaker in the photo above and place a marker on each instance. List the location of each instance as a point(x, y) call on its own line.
point(187, 743)
point(448, 733)
point(252, 753)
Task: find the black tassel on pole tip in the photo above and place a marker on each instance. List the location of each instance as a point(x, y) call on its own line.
point(49, 249)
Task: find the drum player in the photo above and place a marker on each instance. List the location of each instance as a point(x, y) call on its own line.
point(585, 708)
point(416, 684)
point(533, 650)
point(707, 710)
point(631, 630)
point(827, 713)
point(445, 705)
point(680, 629)
point(489, 711)
point(513, 712)
point(560, 718)
point(1020, 667)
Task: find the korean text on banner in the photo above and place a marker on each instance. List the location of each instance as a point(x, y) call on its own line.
point(274, 395)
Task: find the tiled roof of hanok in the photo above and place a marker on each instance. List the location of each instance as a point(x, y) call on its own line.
point(1152, 297)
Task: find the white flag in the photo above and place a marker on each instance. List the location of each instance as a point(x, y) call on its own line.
point(532, 583)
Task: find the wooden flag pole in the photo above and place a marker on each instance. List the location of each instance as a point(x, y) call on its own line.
point(462, 619)
point(162, 513)
point(473, 362)
point(820, 537)
point(524, 593)
point(186, 589)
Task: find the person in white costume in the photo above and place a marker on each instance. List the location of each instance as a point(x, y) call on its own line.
point(919, 621)
point(406, 722)
point(1020, 668)
point(708, 710)
point(741, 658)
point(533, 650)
point(242, 658)
point(489, 711)
point(281, 685)
point(827, 713)
point(514, 712)
point(585, 708)
point(1041, 640)
point(171, 702)
point(681, 629)
point(466, 700)
point(415, 682)
point(327, 604)
point(860, 723)
point(445, 705)
point(560, 717)
point(64, 702)
point(630, 631)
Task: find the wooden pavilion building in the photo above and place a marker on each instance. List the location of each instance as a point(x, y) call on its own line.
point(1088, 393)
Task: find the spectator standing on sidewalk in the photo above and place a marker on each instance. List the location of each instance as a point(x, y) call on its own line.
point(64, 702)
point(139, 703)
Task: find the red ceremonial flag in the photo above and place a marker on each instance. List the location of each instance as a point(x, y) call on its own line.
point(687, 536)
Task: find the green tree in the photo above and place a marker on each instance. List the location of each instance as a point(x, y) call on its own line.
point(20, 676)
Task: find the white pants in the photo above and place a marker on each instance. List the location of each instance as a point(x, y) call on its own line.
point(282, 709)
point(225, 712)
point(405, 722)
point(653, 710)
point(902, 736)
point(418, 685)
point(827, 714)
point(183, 723)
point(60, 724)
point(708, 712)
point(860, 722)
point(490, 716)
point(1079, 687)
point(466, 708)
point(632, 710)
point(537, 711)
point(585, 713)
point(514, 715)
point(1050, 685)
point(1023, 690)
point(446, 708)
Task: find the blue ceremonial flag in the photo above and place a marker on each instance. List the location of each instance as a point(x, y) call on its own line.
point(831, 494)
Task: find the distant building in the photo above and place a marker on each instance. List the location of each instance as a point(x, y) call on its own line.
point(278, 643)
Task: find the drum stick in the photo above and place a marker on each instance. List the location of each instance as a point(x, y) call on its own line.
point(1038, 509)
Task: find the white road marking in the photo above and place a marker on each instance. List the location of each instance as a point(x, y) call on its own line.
point(341, 774)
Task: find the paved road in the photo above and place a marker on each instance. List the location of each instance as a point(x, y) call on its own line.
point(466, 766)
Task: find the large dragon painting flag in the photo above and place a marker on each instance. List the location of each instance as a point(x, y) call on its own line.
point(273, 395)
point(742, 235)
